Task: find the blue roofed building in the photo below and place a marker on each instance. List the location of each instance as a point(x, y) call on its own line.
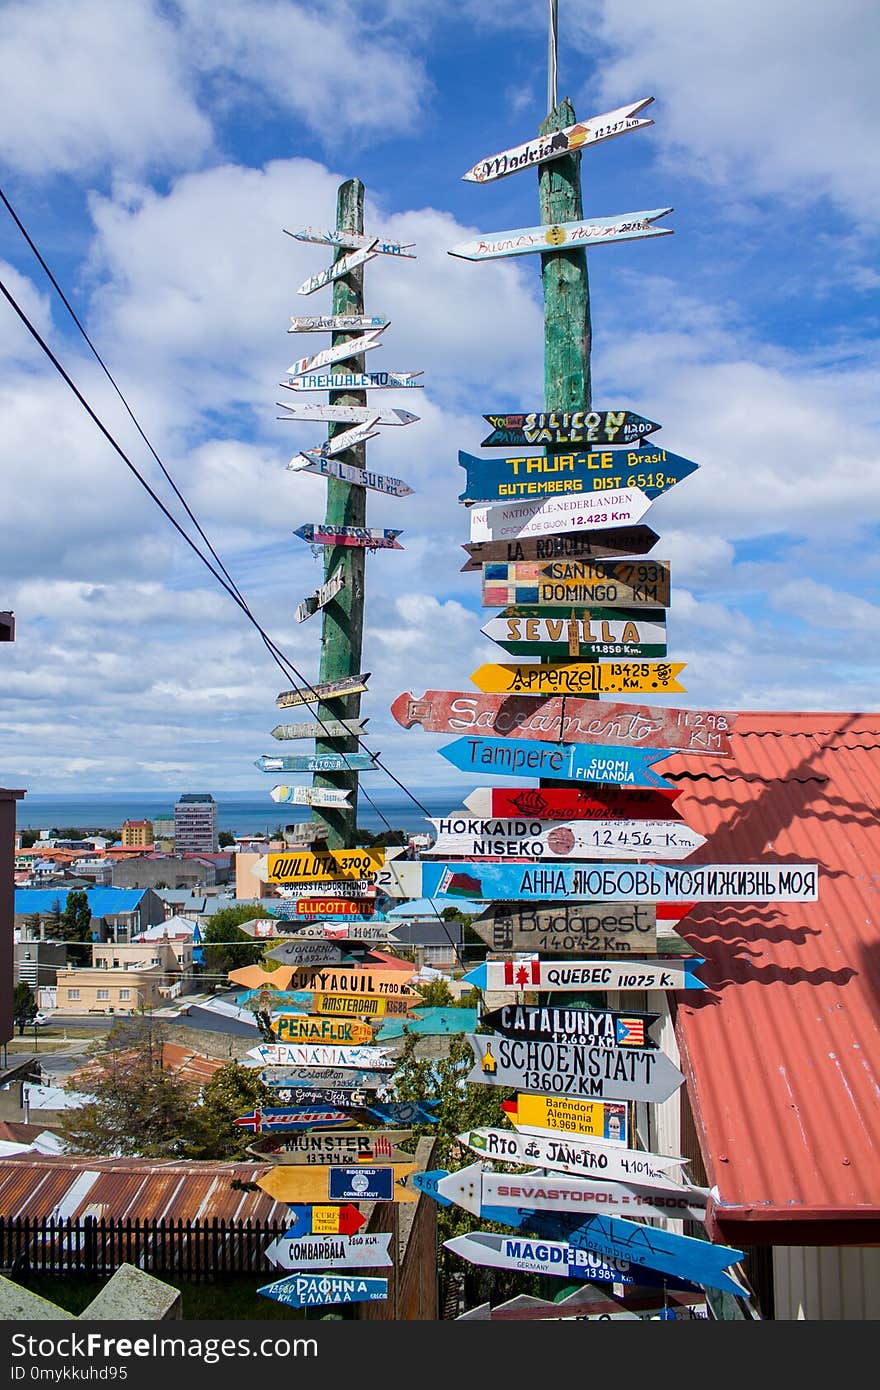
point(118, 914)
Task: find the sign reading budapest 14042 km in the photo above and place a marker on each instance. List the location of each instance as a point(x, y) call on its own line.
point(627, 226)
point(614, 929)
point(569, 1068)
point(566, 762)
point(565, 720)
point(632, 583)
point(589, 634)
point(556, 143)
point(543, 516)
point(525, 477)
point(473, 838)
point(579, 678)
point(566, 427)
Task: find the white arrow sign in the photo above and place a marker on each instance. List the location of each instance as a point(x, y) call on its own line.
point(321, 596)
point(336, 1252)
point(346, 440)
point(328, 728)
point(357, 240)
point(565, 236)
point(475, 1187)
point(338, 268)
point(338, 353)
point(321, 1055)
point(311, 796)
point(473, 838)
point(360, 477)
point(568, 1068)
point(355, 381)
point(345, 414)
point(572, 1154)
point(552, 515)
point(575, 975)
point(560, 142)
point(337, 323)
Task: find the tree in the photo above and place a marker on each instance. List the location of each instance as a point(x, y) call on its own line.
point(24, 1006)
point(223, 928)
point(29, 838)
point(225, 838)
point(233, 1090)
point(53, 922)
point(436, 994)
point(76, 926)
point(136, 1108)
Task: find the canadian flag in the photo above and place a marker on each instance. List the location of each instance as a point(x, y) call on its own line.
point(522, 973)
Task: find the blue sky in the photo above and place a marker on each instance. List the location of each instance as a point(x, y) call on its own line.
point(156, 151)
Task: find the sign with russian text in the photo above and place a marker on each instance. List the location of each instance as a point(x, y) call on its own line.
point(572, 1068)
point(764, 882)
point(554, 427)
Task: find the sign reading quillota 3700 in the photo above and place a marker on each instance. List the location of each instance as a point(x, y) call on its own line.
point(329, 864)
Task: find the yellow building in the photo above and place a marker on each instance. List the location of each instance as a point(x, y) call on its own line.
point(137, 834)
point(123, 978)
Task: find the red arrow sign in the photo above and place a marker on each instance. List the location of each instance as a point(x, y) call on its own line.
point(575, 803)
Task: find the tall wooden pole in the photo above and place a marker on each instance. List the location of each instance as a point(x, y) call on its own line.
point(343, 618)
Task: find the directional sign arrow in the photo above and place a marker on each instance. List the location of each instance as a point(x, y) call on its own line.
point(340, 267)
point(549, 1023)
point(336, 1182)
point(533, 839)
point(565, 545)
point(337, 323)
point(312, 796)
point(571, 1068)
point(476, 1189)
point(354, 381)
point(328, 728)
point(556, 143)
point(323, 1220)
point(337, 353)
point(358, 241)
point(604, 1122)
point(684, 1257)
point(567, 720)
point(545, 516)
point(346, 414)
point(574, 975)
point(346, 1147)
point(573, 1155)
point(403, 1112)
point(579, 678)
point(558, 928)
point(631, 583)
point(566, 427)
point(273, 1118)
point(317, 762)
point(324, 690)
point(357, 477)
point(587, 634)
point(529, 475)
point(358, 434)
point(310, 1290)
point(295, 1028)
point(564, 236)
point(553, 1257)
point(566, 762)
point(338, 1252)
point(321, 1055)
point(575, 803)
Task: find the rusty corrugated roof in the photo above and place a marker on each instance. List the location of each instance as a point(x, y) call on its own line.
point(119, 1188)
point(782, 1053)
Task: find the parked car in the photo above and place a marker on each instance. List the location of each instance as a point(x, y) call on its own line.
point(40, 1019)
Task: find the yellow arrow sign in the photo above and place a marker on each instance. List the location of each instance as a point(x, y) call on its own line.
point(341, 979)
point(363, 1005)
point(358, 1183)
point(332, 864)
point(579, 678)
point(294, 1029)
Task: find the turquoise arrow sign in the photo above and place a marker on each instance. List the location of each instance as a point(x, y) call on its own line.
point(650, 882)
point(564, 762)
point(529, 475)
point(320, 762)
point(308, 1290)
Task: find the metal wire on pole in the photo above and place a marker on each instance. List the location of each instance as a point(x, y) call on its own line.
point(552, 51)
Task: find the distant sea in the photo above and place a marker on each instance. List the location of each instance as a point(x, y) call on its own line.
point(238, 812)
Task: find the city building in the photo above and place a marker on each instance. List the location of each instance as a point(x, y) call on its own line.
point(195, 824)
point(125, 977)
point(169, 871)
point(118, 914)
point(137, 834)
point(8, 799)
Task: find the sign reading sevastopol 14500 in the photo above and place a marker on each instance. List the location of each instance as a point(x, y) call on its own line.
point(764, 882)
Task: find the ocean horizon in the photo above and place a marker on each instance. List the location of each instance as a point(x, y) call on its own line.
point(241, 813)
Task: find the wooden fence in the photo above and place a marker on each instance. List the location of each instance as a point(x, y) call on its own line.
point(91, 1246)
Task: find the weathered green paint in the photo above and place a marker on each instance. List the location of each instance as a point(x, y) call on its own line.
point(343, 619)
point(567, 331)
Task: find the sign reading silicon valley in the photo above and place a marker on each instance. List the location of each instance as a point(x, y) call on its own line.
point(559, 142)
point(566, 427)
point(570, 721)
point(526, 477)
point(627, 226)
point(473, 838)
point(571, 1068)
point(568, 762)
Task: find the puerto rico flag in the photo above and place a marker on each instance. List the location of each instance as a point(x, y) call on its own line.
point(630, 1032)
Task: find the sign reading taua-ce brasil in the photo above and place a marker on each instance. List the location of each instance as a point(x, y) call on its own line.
point(524, 477)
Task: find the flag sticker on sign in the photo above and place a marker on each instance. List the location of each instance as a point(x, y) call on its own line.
point(522, 973)
point(630, 1031)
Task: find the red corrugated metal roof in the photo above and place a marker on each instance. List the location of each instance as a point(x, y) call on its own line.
point(132, 1187)
point(782, 1053)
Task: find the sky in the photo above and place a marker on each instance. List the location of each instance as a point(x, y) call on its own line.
point(155, 153)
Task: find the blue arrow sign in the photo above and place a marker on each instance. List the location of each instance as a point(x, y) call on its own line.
point(307, 1290)
point(321, 762)
point(558, 1257)
point(531, 474)
point(402, 1112)
point(564, 762)
point(360, 1184)
point(427, 1182)
point(684, 1257)
point(649, 882)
